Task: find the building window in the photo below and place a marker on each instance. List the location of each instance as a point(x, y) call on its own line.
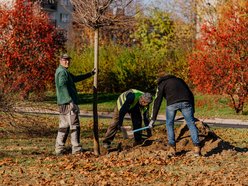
point(64, 18)
point(65, 2)
point(51, 15)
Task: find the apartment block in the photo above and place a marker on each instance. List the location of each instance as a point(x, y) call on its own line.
point(59, 11)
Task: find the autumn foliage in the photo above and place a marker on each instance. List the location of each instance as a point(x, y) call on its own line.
point(29, 45)
point(219, 64)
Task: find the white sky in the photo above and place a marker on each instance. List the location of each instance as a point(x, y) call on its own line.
point(6, 2)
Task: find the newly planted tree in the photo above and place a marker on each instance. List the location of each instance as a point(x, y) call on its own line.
point(96, 14)
point(219, 64)
point(29, 45)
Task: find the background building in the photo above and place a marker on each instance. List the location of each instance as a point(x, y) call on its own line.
point(59, 11)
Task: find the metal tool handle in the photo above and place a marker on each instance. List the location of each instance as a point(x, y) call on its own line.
point(143, 128)
point(147, 127)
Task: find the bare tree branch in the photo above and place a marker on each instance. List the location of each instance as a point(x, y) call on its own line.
point(96, 14)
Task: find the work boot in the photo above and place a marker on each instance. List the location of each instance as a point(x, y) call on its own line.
point(107, 145)
point(197, 151)
point(149, 133)
point(79, 151)
point(172, 151)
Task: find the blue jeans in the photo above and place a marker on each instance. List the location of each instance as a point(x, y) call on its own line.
point(188, 113)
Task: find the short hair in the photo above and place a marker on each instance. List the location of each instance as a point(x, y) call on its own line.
point(147, 97)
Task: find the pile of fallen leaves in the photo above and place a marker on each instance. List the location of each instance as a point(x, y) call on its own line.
point(224, 162)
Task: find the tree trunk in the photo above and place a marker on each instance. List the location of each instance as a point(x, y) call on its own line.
point(95, 100)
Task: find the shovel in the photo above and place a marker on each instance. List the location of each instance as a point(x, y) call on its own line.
point(128, 132)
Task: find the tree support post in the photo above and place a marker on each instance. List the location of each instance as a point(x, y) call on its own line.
point(95, 98)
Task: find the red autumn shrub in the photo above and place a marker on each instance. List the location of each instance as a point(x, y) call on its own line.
point(219, 64)
point(29, 46)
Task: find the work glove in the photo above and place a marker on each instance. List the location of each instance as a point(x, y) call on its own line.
point(151, 123)
point(93, 71)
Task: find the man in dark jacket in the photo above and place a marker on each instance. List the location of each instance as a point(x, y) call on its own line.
point(133, 102)
point(67, 100)
point(179, 98)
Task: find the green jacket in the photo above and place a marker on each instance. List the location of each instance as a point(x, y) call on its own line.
point(65, 85)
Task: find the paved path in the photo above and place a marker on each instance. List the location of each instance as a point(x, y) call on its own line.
point(231, 123)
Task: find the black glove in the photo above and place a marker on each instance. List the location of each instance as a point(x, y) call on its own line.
point(93, 71)
point(151, 124)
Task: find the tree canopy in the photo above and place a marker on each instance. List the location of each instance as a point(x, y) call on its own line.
point(219, 64)
point(154, 32)
point(29, 45)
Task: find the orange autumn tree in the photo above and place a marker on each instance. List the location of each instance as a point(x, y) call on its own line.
point(219, 64)
point(29, 45)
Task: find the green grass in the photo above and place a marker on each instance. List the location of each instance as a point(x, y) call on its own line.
point(206, 106)
point(217, 106)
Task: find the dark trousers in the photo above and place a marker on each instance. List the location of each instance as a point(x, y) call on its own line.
point(116, 124)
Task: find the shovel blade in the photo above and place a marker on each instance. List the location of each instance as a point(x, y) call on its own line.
point(127, 132)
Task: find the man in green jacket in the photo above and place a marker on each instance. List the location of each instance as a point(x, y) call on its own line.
point(67, 100)
point(133, 102)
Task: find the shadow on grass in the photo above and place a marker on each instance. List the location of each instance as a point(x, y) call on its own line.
point(223, 146)
point(45, 132)
point(25, 132)
point(88, 98)
point(216, 145)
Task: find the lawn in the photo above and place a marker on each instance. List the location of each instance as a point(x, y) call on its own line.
point(206, 106)
point(27, 150)
point(27, 146)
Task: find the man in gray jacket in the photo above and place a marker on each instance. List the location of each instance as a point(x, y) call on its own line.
point(67, 100)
